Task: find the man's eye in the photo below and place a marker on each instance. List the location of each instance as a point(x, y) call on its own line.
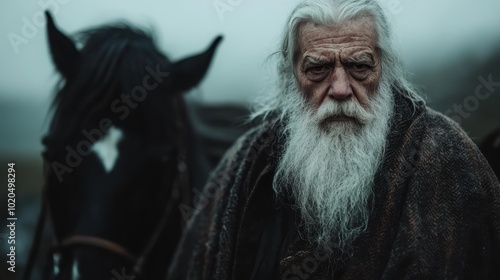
point(318, 69)
point(359, 71)
point(358, 66)
point(317, 73)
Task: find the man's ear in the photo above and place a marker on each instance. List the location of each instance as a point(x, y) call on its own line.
point(188, 72)
point(63, 50)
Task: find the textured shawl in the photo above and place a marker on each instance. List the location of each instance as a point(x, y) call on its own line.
point(435, 210)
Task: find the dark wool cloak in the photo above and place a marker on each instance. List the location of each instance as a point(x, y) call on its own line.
point(435, 212)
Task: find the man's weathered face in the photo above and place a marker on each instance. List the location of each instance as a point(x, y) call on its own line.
point(340, 109)
point(338, 63)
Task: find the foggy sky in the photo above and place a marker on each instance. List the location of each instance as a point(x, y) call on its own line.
point(429, 33)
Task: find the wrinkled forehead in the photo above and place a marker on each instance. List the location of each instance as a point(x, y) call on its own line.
point(357, 35)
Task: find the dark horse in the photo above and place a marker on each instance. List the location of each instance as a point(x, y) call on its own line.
point(490, 147)
point(116, 154)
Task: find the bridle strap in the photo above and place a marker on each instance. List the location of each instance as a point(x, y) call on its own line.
point(35, 246)
point(119, 250)
point(182, 178)
point(156, 235)
point(179, 108)
point(98, 243)
point(109, 245)
point(40, 226)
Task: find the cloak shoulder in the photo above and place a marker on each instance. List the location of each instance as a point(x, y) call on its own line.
point(450, 223)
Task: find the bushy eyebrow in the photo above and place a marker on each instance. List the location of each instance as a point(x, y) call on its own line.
point(309, 60)
point(316, 61)
point(365, 58)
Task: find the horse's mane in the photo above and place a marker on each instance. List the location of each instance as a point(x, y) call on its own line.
point(112, 62)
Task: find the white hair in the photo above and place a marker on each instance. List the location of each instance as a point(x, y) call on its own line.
point(334, 12)
point(329, 168)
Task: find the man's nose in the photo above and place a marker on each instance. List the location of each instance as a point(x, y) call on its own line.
point(340, 88)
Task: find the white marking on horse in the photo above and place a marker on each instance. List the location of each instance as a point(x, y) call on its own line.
point(107, 148)
point(74, 271)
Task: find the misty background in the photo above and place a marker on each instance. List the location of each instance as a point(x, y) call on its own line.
point(450, 46)
point(447, 45)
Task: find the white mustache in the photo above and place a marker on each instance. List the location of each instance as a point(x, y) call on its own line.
point(349, 109)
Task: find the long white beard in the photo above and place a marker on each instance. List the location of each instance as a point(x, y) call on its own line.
point(329, 167)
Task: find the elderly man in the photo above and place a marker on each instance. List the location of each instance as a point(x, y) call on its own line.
point(349, 175)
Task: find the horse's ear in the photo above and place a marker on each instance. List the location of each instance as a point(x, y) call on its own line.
point(188, 72)
point(63, 50)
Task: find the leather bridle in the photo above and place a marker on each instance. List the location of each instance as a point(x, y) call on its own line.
point(117, 249)
point(108, 245)
point(98, 243)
